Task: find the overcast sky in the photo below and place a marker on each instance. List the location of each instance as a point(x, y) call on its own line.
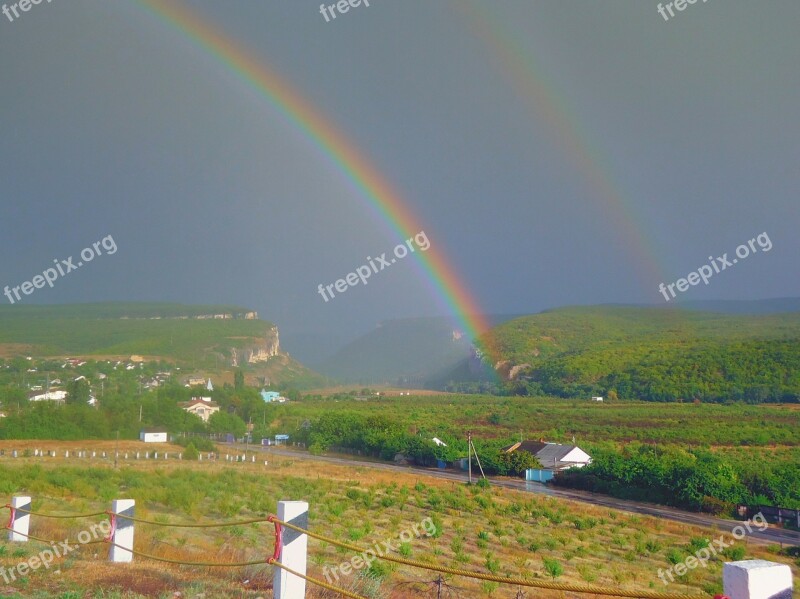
point(557, 152)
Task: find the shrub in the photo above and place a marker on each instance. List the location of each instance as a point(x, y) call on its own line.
point(191, 452)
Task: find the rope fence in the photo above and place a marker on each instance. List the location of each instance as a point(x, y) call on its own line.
point(290, 551)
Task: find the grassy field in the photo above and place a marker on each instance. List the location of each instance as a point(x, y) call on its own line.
point(486, 530)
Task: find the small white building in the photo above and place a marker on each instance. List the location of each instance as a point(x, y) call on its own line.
point(53, 395)
point(597, 399)
point(153, 435)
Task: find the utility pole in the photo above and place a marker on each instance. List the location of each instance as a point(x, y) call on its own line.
point(469, 454)
point(477, 459)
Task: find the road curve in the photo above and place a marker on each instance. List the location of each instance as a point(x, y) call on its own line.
point(770, 535)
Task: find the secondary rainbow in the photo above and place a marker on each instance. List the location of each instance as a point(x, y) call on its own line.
point(450, 291)
point(524, 73)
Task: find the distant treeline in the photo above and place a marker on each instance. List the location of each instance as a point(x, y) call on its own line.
point(384, 438)
point(695, 479)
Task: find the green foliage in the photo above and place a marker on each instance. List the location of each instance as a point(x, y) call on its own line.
point(553, 567)
point(191, 452)
point(686, 478)
point(654, 354)
point(223, 423)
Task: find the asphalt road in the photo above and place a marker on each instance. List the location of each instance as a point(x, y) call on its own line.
point(770, 535)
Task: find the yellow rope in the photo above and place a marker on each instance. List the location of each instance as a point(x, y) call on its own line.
point(188, 525)
point(318, 582)
point(66, 516)
point(200, 564)
point(49, 542)
point(543, 584)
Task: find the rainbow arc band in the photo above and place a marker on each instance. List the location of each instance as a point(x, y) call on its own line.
point(372, 186)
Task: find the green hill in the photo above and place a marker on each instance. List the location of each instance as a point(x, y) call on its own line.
point(652, 353)
point(169, 331)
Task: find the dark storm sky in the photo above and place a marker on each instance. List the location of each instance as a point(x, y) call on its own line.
point(559, 152)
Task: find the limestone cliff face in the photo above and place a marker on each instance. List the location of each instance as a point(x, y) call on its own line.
point(258, 352)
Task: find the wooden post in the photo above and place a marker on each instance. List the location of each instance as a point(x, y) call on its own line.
point(123, 532)
point(22, 522)
point(294, 551)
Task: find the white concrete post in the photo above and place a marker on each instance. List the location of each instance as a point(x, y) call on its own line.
point(294, 552)
point(22, 522)
point(123, 533)
point(757, 579)
point(66, 454)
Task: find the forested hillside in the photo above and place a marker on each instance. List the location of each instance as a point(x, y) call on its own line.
point(653, 354)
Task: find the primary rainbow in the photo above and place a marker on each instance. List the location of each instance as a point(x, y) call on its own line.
point(450, 291)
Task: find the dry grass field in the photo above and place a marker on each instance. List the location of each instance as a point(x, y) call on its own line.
point(487, 530)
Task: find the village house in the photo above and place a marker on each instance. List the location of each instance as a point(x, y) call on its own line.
point(553, 457)
point(52, 395)
point(202, 407)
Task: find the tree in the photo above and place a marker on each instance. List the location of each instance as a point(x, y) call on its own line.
point(222, 422)
point(553, 567)
point(78, 391)
point(238, 379)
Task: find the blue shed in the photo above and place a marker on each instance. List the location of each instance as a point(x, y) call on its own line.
point(539, 475)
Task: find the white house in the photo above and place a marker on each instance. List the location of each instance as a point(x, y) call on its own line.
point(553, 456)
point(201, 407)
point(153, 435)
point(54, 395)
point(597, 399)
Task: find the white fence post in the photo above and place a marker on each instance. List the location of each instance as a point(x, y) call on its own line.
point(22, 522)
point(294, 551)
point(757, 579)
point(123, 532)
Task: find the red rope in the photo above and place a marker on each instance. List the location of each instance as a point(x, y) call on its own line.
point(13, 510)
point(276, 555)
point(113, 521)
